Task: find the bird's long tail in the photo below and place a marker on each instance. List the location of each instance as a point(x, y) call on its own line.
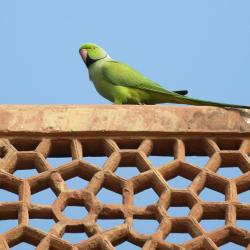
point(189, 100)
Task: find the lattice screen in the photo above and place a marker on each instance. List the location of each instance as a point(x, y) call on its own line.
point(176, 160)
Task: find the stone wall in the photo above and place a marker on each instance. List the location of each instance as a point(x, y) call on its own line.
point(128, 136)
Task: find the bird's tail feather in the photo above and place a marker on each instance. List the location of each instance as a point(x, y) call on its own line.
point(193, 101)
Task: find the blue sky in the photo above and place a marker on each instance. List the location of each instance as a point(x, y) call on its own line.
point(202, 46)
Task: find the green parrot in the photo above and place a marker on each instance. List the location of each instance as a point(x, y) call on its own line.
point(121, 84)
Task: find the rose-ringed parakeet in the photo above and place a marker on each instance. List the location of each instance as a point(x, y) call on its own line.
point(121, 84)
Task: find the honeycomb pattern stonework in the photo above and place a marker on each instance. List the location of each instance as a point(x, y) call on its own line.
point(30, 153)
point(189, 159)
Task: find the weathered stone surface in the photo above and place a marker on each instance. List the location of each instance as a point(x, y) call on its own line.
point(121, 118)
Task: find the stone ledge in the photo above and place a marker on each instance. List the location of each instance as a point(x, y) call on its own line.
point(121, 118)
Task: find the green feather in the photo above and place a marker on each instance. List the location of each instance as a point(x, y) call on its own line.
point(122, 74)
point(122, 84)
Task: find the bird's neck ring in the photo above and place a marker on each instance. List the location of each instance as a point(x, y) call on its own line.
point(90, 61)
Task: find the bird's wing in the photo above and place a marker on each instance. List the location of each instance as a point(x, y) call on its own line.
point(123, 75)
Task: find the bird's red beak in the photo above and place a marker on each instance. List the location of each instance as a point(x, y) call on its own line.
point(84, 53)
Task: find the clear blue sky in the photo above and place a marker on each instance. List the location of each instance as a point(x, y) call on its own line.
point(202, 46)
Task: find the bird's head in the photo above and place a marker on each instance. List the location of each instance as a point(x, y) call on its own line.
point(91, 53)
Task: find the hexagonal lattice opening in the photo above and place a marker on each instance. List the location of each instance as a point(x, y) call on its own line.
point(212, 217)
point(145, 198)
point(26, 238)
point(159, 161)
point(98, 161)
point(73, 207)
point(25, 144)
point(25, 173)
point(127, 245)
point(179, 175)
point(76, 183)
point(229, 172)
point(41, 224)
point(244, 197)
point(45, 196)
point(178, 238)
point(179, 182)
point(145, 226)
point(214, 189)
point(162, 152)
point(59, 153)
point(75, 212)
point(94, 152)
point(163, 147)
point(243, 224)
point(77, 174)
point(134, 160)
point(106, 224)
point(75, 237)
point(211, 224)
point(126, 172)
point(197, 152)
point(6, 225)
point(180, 203)
point(128, 143)
point(208, 194)
point(7, 196)
point(182, 230)
point(109, 197)
point(229, 144)
point(22, 246)
point(232, 246)
point(58, 161)
point(178, 211)
point(28, 164)
point(198, 161)
point(232, 165)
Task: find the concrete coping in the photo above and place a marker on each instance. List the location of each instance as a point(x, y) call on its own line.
point(99, 119)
